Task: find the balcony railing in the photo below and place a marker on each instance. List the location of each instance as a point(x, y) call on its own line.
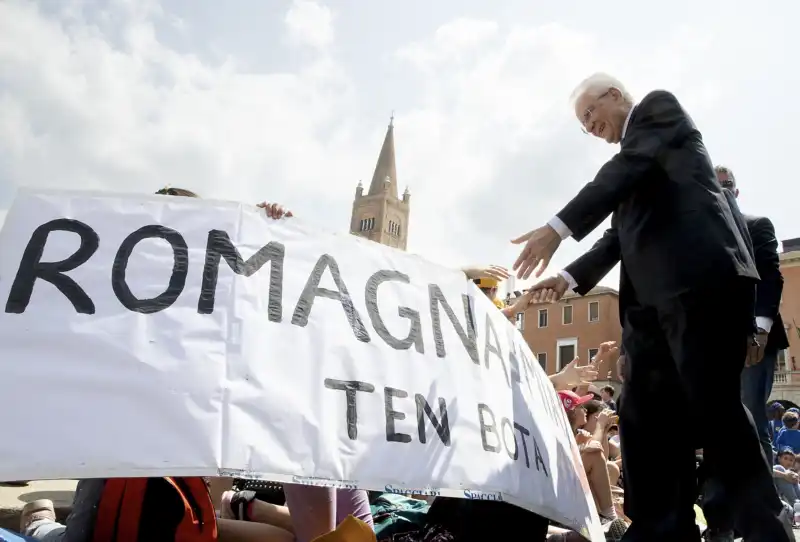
point(787, 378)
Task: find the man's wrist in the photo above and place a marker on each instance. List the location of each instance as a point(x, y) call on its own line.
point(569, 279)
point(764, 323)
point(560, 228)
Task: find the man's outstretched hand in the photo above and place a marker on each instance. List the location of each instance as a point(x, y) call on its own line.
point(540, 245)
point(549, 290)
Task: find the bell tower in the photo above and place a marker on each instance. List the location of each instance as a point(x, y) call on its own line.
point(380, 215)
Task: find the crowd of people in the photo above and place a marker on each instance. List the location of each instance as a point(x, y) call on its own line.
point(687, 255)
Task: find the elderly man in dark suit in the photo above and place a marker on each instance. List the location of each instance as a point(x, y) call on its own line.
point(687, 293)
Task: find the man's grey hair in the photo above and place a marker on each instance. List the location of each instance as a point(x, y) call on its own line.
point(598, 83)
point(727, 171)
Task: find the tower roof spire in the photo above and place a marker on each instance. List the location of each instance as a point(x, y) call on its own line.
point(385, 169)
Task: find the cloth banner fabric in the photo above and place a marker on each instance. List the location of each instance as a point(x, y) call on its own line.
point(158, 335)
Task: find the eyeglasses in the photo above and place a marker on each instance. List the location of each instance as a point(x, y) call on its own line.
point(587, 115)
point(727, 183)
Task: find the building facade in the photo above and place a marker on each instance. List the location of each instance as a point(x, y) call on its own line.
point(574, 327)
point(380, 215)
point(786, 384)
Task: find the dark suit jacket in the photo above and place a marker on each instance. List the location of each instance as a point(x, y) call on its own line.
point(758, 234)
point(672, 224)
point(770, 287)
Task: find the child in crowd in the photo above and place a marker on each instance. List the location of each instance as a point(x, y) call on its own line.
point(594, 462)
point(789, 437)
point(786, 480)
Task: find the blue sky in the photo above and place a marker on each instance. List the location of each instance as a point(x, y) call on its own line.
point(289, 100)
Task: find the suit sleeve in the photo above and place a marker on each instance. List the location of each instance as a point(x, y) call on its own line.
point(660, 126)
point(595, 264)
point(765, 252)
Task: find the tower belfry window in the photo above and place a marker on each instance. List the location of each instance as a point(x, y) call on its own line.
point(366, 224)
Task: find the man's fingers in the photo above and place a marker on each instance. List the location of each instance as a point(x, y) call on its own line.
point(521, 238)
point(541, 268)
point(522, 259)
point(528, 267)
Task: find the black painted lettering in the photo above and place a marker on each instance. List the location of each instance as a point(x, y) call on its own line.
point(312, 291)
point(440, 423)
point(523, 433)
point(527, 364)
point(371, 294)
point(468, 338)
point(487, 429)
point(494, 348)
point(545, 389)
point(177, 281)
point(391, 415)
point(350, 388)
point(31, 267)
point(513, 360)
point(537, 458)
point(218, 247)
point(507, 430)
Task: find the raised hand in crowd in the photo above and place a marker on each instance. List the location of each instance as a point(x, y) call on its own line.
point(550, 289)
point(605, 351)
point(486, 272)
point(755, 352)
point(540, 245)
point(573, 375)
point(275, 210)
point(520, 304)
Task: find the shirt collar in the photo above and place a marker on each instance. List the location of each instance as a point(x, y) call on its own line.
point(627, 120)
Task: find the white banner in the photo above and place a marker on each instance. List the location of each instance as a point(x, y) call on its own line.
point(157, 335)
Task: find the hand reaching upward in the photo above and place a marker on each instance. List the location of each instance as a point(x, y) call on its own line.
point(486, 272)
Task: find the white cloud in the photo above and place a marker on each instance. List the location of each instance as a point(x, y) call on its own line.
point(310, 23)
point(485, 138)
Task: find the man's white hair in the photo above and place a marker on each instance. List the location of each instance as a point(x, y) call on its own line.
point(596, 84)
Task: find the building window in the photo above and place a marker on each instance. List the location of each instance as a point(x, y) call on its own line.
point(567, 315)
point(393, 228)
point(594, 311)
point(542, 357)
point(521, 321)
point(566, 350)
point(592, 354)
point(367, 224)
point(542, 317)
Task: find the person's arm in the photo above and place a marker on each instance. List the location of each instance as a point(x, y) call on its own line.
point(519, 305)
point(660, 126)
point(599, 433)
point(770, 287)
point(588, 270)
